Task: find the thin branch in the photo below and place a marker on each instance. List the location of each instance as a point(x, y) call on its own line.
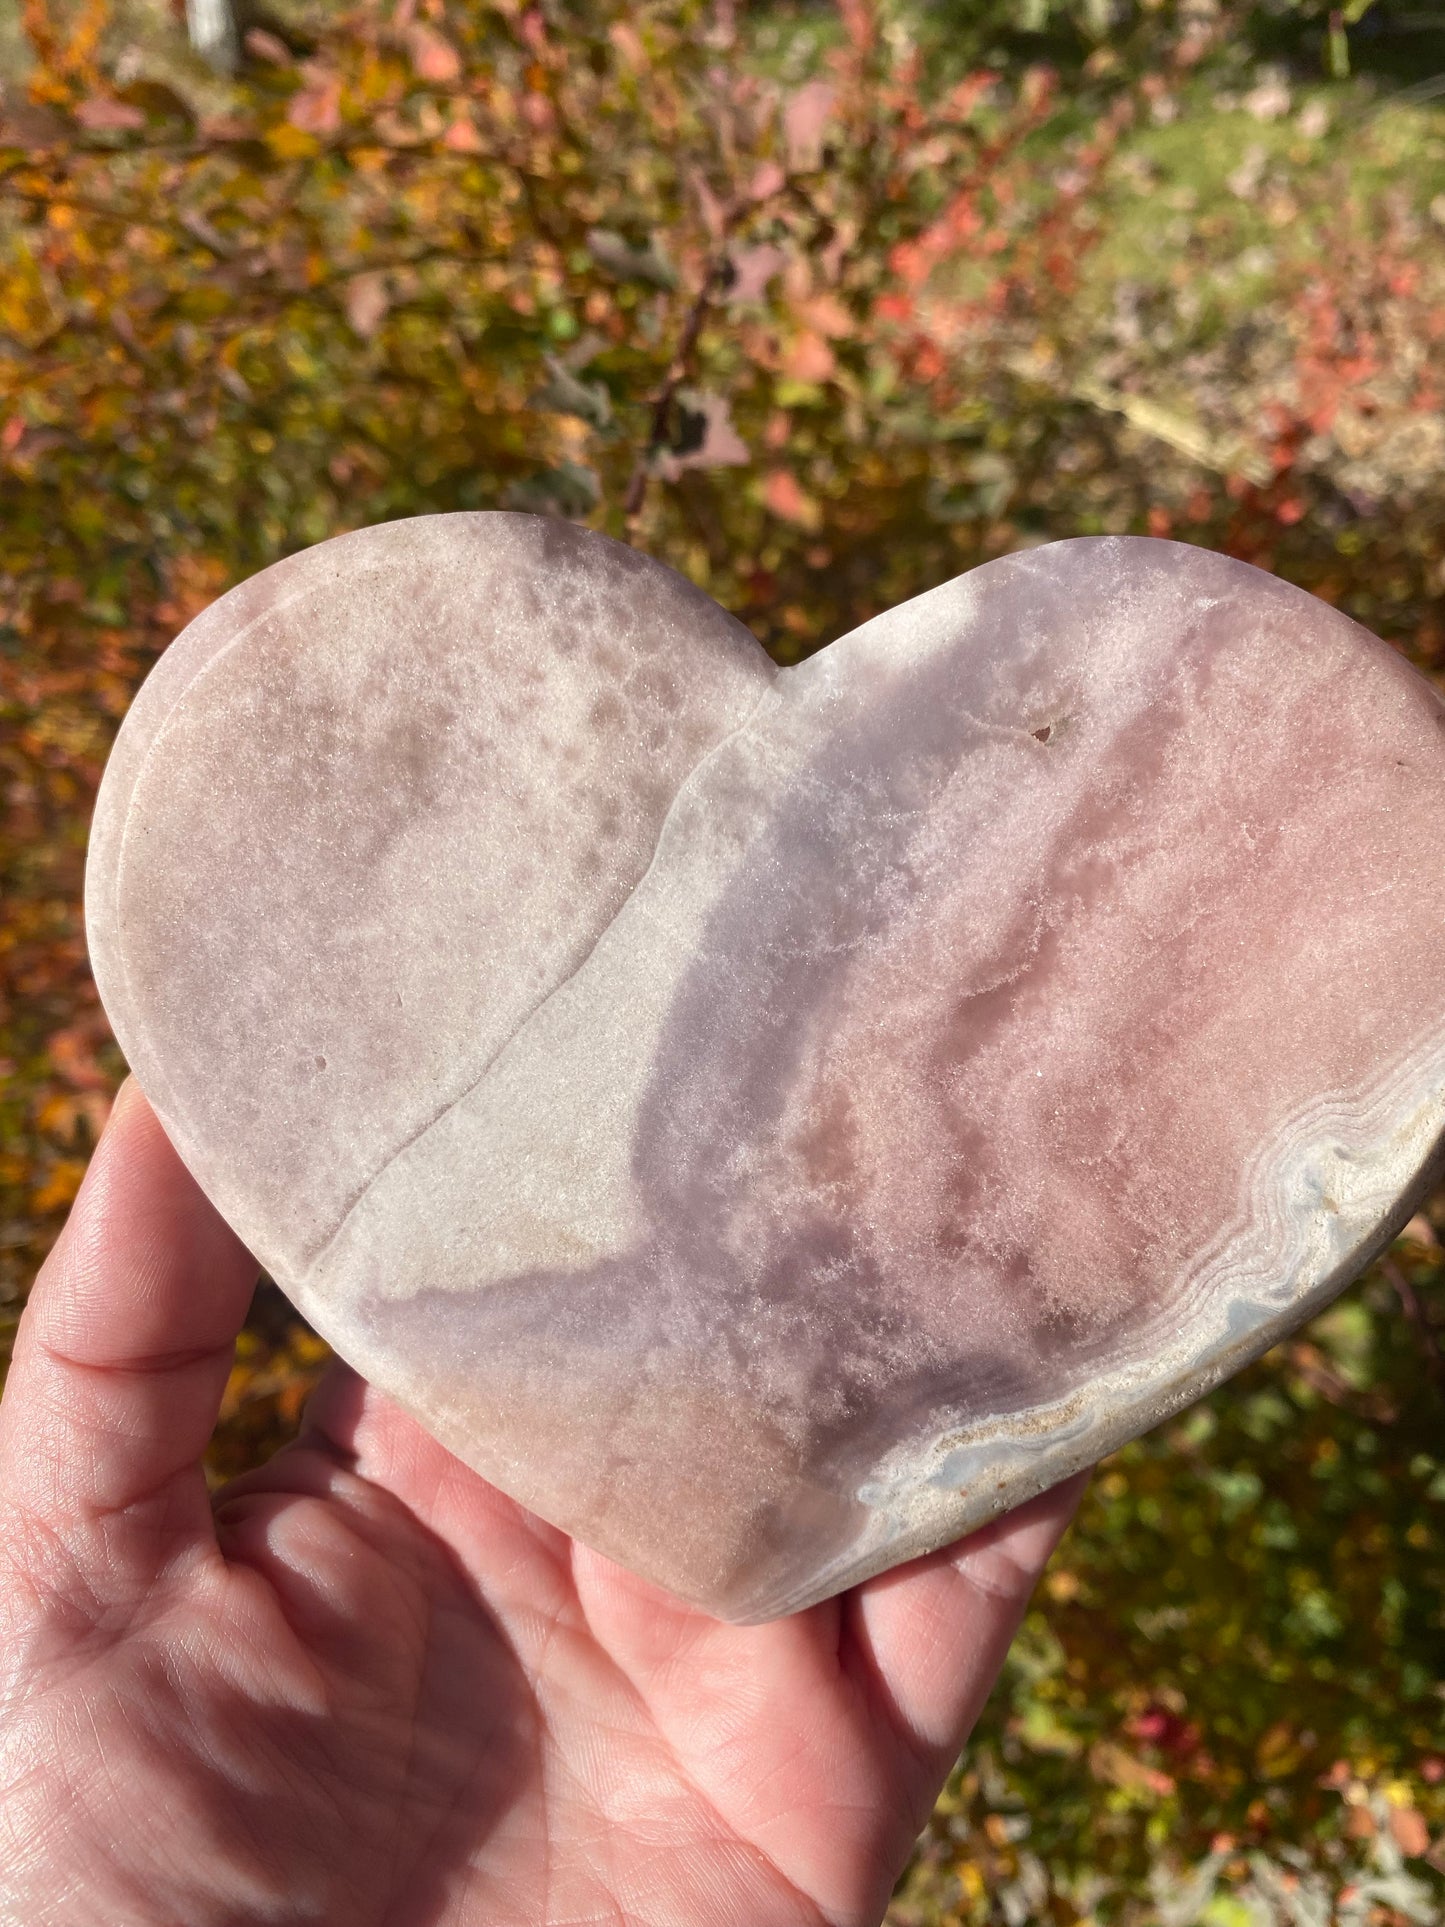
point(1310, 1364)
point(1415, 1312)
point(677, 372)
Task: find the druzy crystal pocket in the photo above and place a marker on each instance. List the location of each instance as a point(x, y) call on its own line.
point(769, 1121)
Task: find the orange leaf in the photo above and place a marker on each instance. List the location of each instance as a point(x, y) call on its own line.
point(809, 358)
point(628, 43)
point(433, 56)
point(825, 314)
point(1412, 1836)
point(462, 137)
point(72, 1052)
point(786, 499)
point(60, 1186)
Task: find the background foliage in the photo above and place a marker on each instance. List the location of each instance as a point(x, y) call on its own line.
point(821, 305)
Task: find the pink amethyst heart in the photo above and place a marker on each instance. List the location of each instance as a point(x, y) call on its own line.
point(769, 1122)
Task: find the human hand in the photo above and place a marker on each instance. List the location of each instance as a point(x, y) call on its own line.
point(363, 1686)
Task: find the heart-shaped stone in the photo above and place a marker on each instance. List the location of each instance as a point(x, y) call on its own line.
point(770, 1122)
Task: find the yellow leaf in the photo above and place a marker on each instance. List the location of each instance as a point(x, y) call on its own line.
point(1279, 1751)
point(60, 1186)
point(290, 143)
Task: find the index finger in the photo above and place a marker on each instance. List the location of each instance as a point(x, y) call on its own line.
point(121, 1360)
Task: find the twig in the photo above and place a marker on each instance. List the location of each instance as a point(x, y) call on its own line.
point(1414, 1310)
point(677, 372)
point(1309, 1362)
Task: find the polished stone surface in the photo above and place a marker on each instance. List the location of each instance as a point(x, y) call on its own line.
point(770, 1121)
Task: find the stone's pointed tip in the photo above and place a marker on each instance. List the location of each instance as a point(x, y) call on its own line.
point(770, 1123)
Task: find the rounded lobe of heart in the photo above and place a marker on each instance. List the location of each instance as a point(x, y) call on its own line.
point(367, 812)
point(1026, 1011)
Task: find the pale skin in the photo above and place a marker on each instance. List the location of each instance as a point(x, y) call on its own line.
point(360, 1686)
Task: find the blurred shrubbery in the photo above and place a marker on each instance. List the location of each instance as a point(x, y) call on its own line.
point(822, 306)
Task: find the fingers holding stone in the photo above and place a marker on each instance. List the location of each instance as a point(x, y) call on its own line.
point(927, 1639)
point(122, 1358)
point(351, 1423)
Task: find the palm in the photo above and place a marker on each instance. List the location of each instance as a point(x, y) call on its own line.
point(369, 1688)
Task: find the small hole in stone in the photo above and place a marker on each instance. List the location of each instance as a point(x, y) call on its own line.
point(321, 1063)
point(1042, 735)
